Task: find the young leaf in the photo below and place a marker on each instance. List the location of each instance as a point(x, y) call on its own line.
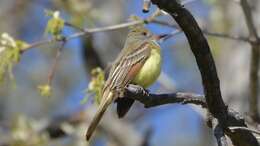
point(55, 24)
point(45, 90)
point(96, 84)
point(10, 53)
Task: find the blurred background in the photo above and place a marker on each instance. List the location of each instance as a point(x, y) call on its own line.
point(28, 119)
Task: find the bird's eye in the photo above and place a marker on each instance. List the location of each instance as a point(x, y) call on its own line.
point(144, 33)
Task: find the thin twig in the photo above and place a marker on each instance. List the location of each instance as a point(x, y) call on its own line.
point(74, 26)
point(228, 36)
point(37, 44)
point(81, 33)
point(87, 31)
point(55, 63)
point(206, 32)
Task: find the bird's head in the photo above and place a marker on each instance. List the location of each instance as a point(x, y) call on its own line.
point(139, 31)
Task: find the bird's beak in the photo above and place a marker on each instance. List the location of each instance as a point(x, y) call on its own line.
point(159, 37)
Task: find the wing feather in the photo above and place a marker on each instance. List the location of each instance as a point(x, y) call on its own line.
point(119, 75)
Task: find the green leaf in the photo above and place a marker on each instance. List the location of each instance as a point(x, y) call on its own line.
point(10, 54)
point(95, 85)
point(55, 24)
point(45, 90)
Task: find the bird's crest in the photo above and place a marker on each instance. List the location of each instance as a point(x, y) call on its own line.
point(137, 27)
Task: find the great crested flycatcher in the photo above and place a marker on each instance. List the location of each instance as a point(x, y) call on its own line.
point(139, 63)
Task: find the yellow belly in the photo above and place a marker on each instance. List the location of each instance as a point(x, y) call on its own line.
point(150, 70)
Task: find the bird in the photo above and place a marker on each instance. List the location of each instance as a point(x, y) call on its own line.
point(139, 62)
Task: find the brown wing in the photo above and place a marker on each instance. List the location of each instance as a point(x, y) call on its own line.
point(125, 70)
point(121, 74)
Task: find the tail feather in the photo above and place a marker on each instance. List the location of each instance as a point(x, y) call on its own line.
point(123, 106)
point(101, 110)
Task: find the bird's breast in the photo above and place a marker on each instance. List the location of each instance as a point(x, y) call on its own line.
point(150, 70)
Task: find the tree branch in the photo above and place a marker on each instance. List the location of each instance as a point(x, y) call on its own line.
point(244, 128)
point(88, 31)
point(151, 100)
point(254, 61)
point(83, 32)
